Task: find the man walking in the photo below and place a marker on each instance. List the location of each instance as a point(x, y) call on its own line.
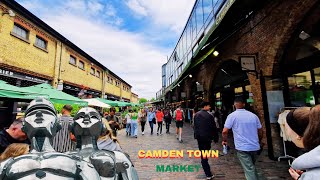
point(247, 132)
point(62, 142)
point(167, 119)
point(178, 115)
point(151, 118)
point(205, 131)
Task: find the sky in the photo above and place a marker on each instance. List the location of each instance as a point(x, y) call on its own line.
point(132, 38)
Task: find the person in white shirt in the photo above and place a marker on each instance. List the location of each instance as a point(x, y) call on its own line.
point(128, 125)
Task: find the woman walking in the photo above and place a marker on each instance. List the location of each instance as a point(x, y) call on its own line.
point(134, 124)
point(142, 117)
point(159, 116)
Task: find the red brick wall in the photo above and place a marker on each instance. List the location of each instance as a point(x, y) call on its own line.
point(266, 35)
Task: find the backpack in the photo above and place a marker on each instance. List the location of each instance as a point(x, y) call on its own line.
point(179, 115)
point(167, 115)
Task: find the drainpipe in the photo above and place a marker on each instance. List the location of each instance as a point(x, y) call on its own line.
point(60, 62)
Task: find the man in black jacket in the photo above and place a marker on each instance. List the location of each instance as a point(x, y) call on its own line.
point(205, 131)
point(13, 134)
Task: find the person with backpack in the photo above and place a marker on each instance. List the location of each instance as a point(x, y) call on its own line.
point(159, 116)
point(178, 115)
point(167, 119)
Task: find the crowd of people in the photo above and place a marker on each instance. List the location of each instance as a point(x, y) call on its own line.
point(302, 125)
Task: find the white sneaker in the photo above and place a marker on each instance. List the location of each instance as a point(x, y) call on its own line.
point(142, 133)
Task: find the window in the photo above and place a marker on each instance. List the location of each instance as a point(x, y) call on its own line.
point(20, 32)
point(41, 43)
point(108, 79)
point(92, 71)
point(111, 81)
point(73, 60)
point(98, 74)
point(81, 65)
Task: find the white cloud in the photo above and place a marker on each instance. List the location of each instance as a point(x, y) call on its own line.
point(137, 7)
point(95, 7)
point(170, 13)
point(132, 56)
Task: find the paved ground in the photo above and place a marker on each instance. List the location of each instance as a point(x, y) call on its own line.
point(225, 167)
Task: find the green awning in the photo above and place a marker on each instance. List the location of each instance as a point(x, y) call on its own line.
point(122, 104)
point(111, 103)
point(14, 92)
point(56, 96)
point(115, 103)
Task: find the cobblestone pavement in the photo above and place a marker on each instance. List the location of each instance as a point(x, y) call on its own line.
point(225, 167)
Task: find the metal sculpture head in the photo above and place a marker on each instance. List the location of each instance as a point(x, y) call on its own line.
point(40, 122)
point(87, 126)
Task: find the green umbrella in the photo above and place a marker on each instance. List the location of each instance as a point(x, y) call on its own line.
point(111, 103)
point(55, 95)
point(14, 92)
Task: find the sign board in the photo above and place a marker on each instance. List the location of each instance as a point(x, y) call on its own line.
point(20, 76)
point(248, 63)
point(60, 86)
point(199, 88)
point(174, 98)
point(183, 94)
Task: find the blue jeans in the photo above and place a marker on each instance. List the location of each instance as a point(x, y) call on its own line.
point(247, 160)
point(128, 128)
point(151, 126)
point(134, 128)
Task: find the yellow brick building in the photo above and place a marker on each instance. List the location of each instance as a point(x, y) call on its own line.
point(31, 52)
point(134, 98)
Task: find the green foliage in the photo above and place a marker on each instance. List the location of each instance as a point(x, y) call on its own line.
point(75, 108)
point(152, 99)
point(142, 100)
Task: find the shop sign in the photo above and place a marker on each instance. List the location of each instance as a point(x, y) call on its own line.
point(224, 11)
point(199, 88)
point(248, 63)
point(21, 76)
point(5, 72)
point(183, 94)
point(60, 86)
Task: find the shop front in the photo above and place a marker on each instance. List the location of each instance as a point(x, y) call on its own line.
point(80, 91)
point(295, 80)
point(11, 108)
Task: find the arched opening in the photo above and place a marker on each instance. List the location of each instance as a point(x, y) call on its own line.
point(228, 83)
point(300, 66)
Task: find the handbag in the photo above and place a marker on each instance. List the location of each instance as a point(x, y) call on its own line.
point(154, 120)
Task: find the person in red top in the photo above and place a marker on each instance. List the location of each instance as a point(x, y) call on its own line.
point(159, 116)
point(178, 115)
